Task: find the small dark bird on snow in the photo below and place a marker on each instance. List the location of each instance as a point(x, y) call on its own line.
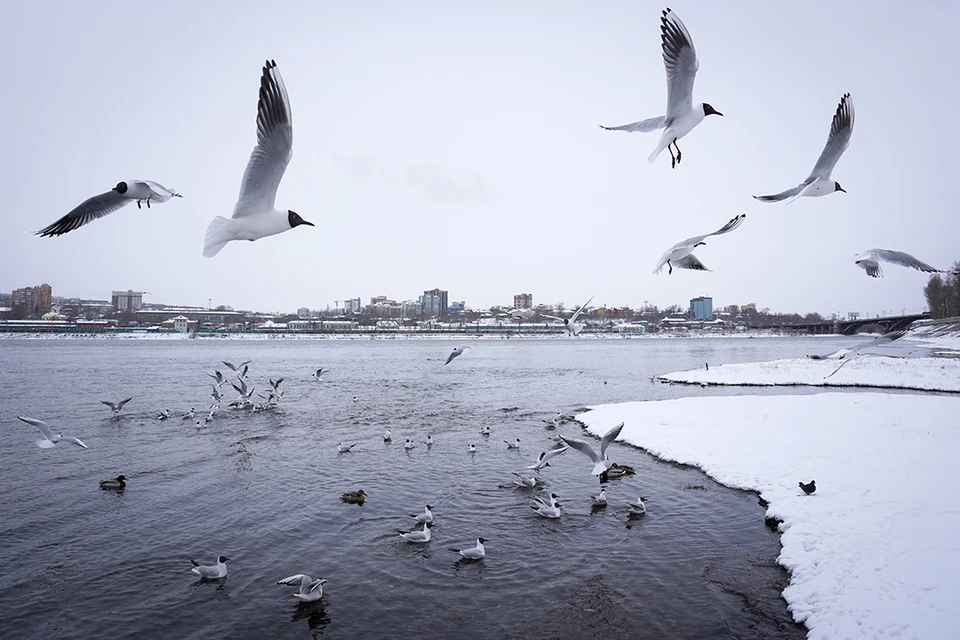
point(809, 488)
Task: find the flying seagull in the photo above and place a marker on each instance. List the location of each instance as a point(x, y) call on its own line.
point(890, 336)
point(117, 198)
point(543, 460)
point(310, 590)
point(50, 439)
point(818, 183)
point(681, 256)
point(254, 215)
point(235, 368)
point(116, 406)
point(680, 59)
point(870, 261)
point(600, 460)
point(570, 324)
point(457, 351)
point(211, 572)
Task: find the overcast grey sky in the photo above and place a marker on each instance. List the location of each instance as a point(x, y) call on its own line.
point(452, 146)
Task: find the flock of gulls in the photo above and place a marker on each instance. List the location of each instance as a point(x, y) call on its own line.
point(310, 589)
point(255, 214)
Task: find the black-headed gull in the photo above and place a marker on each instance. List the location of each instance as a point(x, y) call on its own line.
point(345, 448)
point(457, 351)
point(408, 444)
point(310, 590)
point(513, 445)
point(254, 215)
point(233, 367)
point(600, 460)
point(818, 183)
point(870, 261)
point(424, 516)
point(217, 377)
point(473, 553)
point(544, 510)
point(116, 406)
point(525, 482)
point(680, 255)
point(570, 324)
point(543, 460)
point(211, 572)
point(387, 436)
point(680, 60)
point(50, 439)
point(98, 206)
point(637, 508)
point(600, 500)
point(471, 448)
point(417, 535)
point(319, 373)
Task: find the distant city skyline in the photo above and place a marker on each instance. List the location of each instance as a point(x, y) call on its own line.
point(456, 145)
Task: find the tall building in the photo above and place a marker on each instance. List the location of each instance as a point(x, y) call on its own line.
point(433, 303)
point(128, 300)
point(523, 301)
point(32, 300)
point(352, 305)
point(702, 308)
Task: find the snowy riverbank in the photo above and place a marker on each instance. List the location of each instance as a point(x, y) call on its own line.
point(874, 552)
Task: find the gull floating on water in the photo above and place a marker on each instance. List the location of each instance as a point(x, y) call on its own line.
point(818, 183)
point(600, 500)
point(254, 215)
point(545, 510)
point(100, 205)
point(471, 448)
point(457, 351)
point(408, 444)
point(424, 516)
point(525, 482)
point(870, 261)
point(211, 572)
point(513, 445)
point(570, 324)
point(345, 448)
point(163, 415)
point(190, 415)
point(417, 535)
point(484, 431)
point(387, 436)
point(116, 406)
point(473, 553)
point(119, 483)
point(680, 60)
point(681, 256)
point(429, 441)
point(600, 460)
point(637, 508)
point(50, 439)
point(310, 590)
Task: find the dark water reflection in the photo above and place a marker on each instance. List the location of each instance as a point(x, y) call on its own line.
point(264, 489)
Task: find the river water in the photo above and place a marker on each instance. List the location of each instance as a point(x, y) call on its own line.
point(263, 489)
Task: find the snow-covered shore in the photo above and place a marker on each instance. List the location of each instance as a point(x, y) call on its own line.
point(927, 358)
point(875, 552)
point(923, 374)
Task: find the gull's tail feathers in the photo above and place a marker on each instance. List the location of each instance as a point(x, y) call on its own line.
point(219, 233)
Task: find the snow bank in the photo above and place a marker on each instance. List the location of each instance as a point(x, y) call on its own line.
point(875, 552)
point(925, 374)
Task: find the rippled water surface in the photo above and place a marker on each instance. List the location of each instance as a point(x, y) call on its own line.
point(263, 489)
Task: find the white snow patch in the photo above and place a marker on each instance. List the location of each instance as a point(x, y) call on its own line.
point(875, 552)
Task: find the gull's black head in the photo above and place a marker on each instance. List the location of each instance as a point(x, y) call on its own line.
point(710, 111)
point(294, 219)
point(429, 506)
point(837, 187)
point(121, 188)
point(482, 540)
point(222, 559)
